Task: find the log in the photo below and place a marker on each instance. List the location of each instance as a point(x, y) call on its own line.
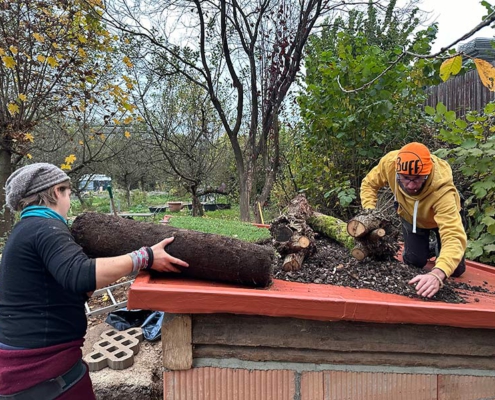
point(293, 261)
point(362, 224)
point(332, 228)
point(210, 257)
point(360, 252)
point(292, 236)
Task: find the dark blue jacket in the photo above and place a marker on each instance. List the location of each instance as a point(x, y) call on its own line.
point(44, 278)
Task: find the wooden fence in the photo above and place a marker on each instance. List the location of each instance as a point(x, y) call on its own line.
point(461, 94)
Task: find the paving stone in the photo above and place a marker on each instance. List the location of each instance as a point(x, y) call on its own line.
point(116, 350)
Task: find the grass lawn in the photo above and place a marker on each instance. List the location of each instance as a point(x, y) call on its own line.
point(221, 222)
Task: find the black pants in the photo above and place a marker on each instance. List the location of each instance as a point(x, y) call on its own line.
point(417, 247)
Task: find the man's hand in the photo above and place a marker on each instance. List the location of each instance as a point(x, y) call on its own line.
point(427, 285)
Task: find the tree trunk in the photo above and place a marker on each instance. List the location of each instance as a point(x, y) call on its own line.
point(210, 257)
point(292, 236)
point(5, 214)
point(244, 195)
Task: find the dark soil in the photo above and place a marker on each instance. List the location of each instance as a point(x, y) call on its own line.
point(333, 265)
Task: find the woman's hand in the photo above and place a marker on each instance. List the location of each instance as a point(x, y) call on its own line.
point(162, 261)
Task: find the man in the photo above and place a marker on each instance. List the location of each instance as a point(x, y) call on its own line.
point(426, 200)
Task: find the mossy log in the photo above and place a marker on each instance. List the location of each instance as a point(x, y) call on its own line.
point(331, 227)
point(210, 257)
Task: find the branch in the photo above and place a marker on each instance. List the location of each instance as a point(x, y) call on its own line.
point(489, 19)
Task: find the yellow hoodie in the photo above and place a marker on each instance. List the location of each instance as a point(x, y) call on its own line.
point(437, 206)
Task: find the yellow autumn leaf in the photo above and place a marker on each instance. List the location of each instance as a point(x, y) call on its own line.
point(101, 136)
point(29, 137)
point(70, 159)
point(39, 37)
point(2, 51)
point(65, 167)
point(128, 120)
point(82, 38)
point(53, 63)
point(8, 61)
point(116, 121)
point(22, 97)
point(13, 108)
point(486, 71)
point(81, 52)
point(13, 50)
point(127, 61)
point(29, 156)
point(127, 134)
point(59, 56)
point(81, 142)
point(41, 58)
point(449, 67)
point(105, 297)
point(55, 45)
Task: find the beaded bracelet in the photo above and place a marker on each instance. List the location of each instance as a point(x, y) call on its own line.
point(440, 281)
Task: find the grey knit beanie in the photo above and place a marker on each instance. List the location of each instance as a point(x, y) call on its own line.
point(32, 179)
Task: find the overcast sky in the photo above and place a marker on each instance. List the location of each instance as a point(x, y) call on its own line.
point(455, 18)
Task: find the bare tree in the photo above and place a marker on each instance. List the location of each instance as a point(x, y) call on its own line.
point(244, 54)
point(186, 131)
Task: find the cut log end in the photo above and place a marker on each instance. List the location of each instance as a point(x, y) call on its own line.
point(282, 233)
point(303, 242)
point(359, 253)
point(355, 228)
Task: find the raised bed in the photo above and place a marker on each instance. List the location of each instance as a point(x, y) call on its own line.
point(216, 206)
point(307, 341)
point(158, 209)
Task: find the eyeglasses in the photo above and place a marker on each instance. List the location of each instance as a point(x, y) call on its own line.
point(416, 179)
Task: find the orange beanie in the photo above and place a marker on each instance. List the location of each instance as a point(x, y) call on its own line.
point(414, 159)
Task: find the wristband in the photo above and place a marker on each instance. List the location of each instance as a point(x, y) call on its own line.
point(150, 258)
point(139, 259)
point(440, 281)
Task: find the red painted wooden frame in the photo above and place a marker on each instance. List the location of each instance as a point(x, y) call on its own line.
point(316, 301)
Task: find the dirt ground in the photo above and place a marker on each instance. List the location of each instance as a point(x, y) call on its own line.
point(333, 265)
point(141, 381)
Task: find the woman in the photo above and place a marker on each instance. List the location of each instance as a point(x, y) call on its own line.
point(45, 279)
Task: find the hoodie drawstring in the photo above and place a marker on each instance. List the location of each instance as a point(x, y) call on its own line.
point(415, 214)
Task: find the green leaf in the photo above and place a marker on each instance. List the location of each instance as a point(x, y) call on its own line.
point(490, 248)
point(441, 109)
point(450, 116)
point(429, 110)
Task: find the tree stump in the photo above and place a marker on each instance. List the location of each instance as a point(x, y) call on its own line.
point(210, 257)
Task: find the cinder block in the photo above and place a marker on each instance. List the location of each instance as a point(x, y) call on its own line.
point(116, 349)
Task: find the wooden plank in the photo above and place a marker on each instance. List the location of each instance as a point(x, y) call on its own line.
point(262, 354)
point(246, 330)
point(177, 342)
